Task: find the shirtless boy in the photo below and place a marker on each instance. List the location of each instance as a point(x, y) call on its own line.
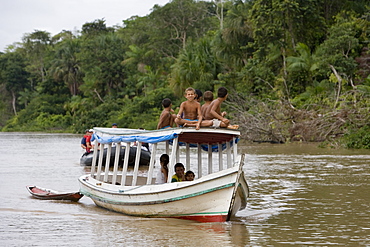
point(166, 119)
point(214, 111)
point(208, 98)
point(191, 111)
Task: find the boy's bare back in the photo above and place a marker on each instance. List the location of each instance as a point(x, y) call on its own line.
point(165, 120)
point(214, 107)
point(204, 108)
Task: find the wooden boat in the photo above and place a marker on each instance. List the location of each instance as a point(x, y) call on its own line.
point(218, 192)
point(47, 194)
point(86, 158)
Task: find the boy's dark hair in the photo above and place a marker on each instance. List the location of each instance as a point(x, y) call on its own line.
point(208, 96)
point(198, 94)
point(164, 158)
point(166, 102)
point(222, 92)
point(189, 172)
point(179, 165)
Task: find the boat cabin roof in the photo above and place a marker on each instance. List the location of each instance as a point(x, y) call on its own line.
point(187, 135)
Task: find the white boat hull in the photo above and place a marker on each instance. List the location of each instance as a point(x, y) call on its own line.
point(212, 198)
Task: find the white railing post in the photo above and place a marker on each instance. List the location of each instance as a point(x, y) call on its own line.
point(137, 163)
point(235, 151)
point(172, 160)
point(167, 147)
point(100, 163)
point(151, 164)
point(228, 151)
point(107, 162)
point(210, 165)
point(220, 160)
point(125, 164)
point(199, 161)
point(116, 162)
point(177, 153)
point(95, 155)
point(187, 156)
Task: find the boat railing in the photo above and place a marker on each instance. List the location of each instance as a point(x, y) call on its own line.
point(120, 175)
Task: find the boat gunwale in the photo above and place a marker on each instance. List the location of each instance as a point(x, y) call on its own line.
point(168, 200)
point(171, 186)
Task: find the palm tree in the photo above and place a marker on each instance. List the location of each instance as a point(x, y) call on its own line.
point(196, 64)
point(305, 62)
point(66, 66)
point(231, 43)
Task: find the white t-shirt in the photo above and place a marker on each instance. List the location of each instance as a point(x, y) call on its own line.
point(160, 178)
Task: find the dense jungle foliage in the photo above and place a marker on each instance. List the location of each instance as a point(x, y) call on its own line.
point(296, 70)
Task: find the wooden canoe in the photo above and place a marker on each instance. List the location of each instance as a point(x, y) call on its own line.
point(47, 194)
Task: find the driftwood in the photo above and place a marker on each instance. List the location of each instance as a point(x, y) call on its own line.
point(278, 122)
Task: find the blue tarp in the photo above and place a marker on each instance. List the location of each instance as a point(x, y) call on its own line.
point(147, 139)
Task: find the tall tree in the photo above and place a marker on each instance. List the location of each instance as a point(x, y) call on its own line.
point(178, 21)
point(66, 65)
point(36, 46)
point(102, 58)
point(231, 42)
point(13, 75)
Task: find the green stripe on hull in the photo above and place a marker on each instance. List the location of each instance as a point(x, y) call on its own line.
point(115, 202)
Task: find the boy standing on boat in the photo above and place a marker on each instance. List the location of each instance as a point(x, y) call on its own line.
point(191, 111)
point(166, 119)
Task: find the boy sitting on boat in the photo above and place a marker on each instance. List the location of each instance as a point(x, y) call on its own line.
point(208, 98)
point(86, 140)
point(213, 111)
point(179, 173)
point(166, 119)
point(163, 173)
point(189, 176)
point(191, 111)
point(213, 117)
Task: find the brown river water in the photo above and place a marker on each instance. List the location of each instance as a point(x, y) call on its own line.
point(300, 195)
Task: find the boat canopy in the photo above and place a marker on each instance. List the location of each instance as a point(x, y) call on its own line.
point(191, 136)
point(223, 141)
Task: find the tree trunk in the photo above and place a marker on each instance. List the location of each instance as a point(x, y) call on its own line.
point(98, 95)
point(13, 103)
point(339, 78)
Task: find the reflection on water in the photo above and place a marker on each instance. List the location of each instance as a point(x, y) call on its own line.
point(299, 196)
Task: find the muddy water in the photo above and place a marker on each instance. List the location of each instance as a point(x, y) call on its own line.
point(300, 195)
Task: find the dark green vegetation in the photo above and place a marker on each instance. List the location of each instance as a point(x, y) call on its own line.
point(296, 70)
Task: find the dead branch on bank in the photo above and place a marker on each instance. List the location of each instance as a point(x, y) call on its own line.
point(277, 122)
